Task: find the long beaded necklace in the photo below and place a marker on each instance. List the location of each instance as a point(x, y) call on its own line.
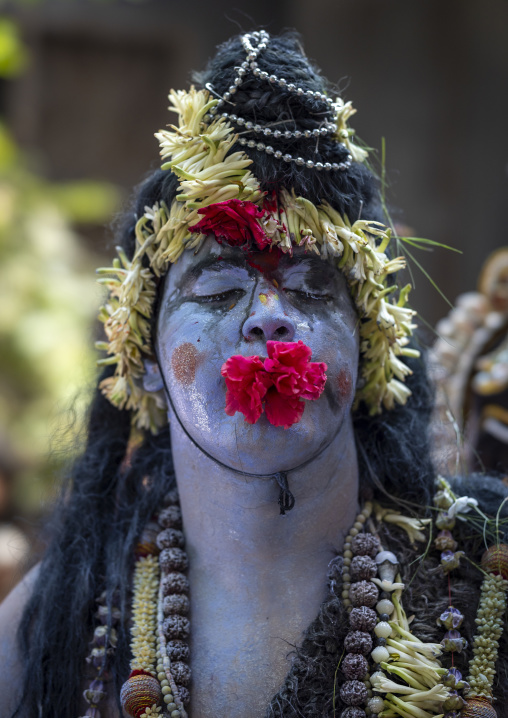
point(378, 627)
point(160, 673)
point(360, 595)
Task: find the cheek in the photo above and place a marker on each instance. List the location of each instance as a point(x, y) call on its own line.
point(184, 361)
point(340, 351)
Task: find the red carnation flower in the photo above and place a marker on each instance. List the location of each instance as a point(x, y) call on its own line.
point(281, 383)
point(234, 222)
point(247, 383)
point(292, 371)
point(283, 410)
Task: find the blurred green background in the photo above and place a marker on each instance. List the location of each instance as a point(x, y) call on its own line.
point(48, 299)
point(83, 86)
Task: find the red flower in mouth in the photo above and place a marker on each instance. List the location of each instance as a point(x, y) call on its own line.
point(292, 371)
point(247, 384)
point(235, 222)
point(281, 382)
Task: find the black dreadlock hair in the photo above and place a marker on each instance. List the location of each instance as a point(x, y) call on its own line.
point(105, 505)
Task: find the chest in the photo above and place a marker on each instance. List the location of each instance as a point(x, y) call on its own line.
point(241, 645)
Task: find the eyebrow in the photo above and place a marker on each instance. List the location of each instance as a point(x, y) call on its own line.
point(214, 264)
point(312, 261)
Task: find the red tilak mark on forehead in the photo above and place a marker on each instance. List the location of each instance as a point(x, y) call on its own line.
point(344, 383)
point(265, 262)
point(183, 363)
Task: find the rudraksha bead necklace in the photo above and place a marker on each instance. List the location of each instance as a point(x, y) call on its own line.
point(160, 676)
point(367, 617)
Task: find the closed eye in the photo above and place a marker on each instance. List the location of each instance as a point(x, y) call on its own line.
point(304, 294)
point(220, 297)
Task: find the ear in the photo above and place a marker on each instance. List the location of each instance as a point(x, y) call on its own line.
point(152, 379)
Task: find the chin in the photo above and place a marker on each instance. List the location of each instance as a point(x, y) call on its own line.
point(262, 448)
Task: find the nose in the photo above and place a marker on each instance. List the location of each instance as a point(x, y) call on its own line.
point(268, 321)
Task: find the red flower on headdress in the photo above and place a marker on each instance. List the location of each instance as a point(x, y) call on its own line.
point(235, 222)
point(281, 383)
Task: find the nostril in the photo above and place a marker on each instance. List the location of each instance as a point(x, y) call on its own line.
point(266, 328)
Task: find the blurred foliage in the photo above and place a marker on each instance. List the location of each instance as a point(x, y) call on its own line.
point(13, 56)
point(48, 299)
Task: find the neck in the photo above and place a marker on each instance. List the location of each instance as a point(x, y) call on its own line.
point(230, 515)
point(257, 578)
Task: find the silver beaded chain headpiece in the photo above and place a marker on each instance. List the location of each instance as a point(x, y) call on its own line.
point(253, 44)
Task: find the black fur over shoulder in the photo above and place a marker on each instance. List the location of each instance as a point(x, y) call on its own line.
point(105, 503)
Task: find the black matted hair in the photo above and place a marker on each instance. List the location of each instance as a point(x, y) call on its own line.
point(105, 505)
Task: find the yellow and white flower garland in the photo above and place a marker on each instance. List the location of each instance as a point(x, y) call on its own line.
point(144, 614)
point(490, 622)
point(199, 154)
point(421, 692)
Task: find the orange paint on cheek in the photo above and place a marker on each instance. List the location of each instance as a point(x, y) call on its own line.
point(183, 363)
point(344, 383)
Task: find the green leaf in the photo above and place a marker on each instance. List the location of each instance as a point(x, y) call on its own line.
point(421, 242)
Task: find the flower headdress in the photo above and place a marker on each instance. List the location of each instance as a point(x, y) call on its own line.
point(212, 178)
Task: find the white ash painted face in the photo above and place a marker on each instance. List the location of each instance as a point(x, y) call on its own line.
point(223, 301)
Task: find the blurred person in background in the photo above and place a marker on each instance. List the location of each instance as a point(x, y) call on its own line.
point(469, 364)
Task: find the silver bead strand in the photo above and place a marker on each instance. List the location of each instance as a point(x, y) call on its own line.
point(252, 53)
point(262, 38)
point(327, 129)
point(300, 161)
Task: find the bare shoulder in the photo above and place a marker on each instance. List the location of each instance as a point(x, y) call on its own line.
point(11, 611)
point(11, 673)
point(12, 607)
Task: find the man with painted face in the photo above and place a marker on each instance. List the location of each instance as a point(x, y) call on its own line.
point(269, 371)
